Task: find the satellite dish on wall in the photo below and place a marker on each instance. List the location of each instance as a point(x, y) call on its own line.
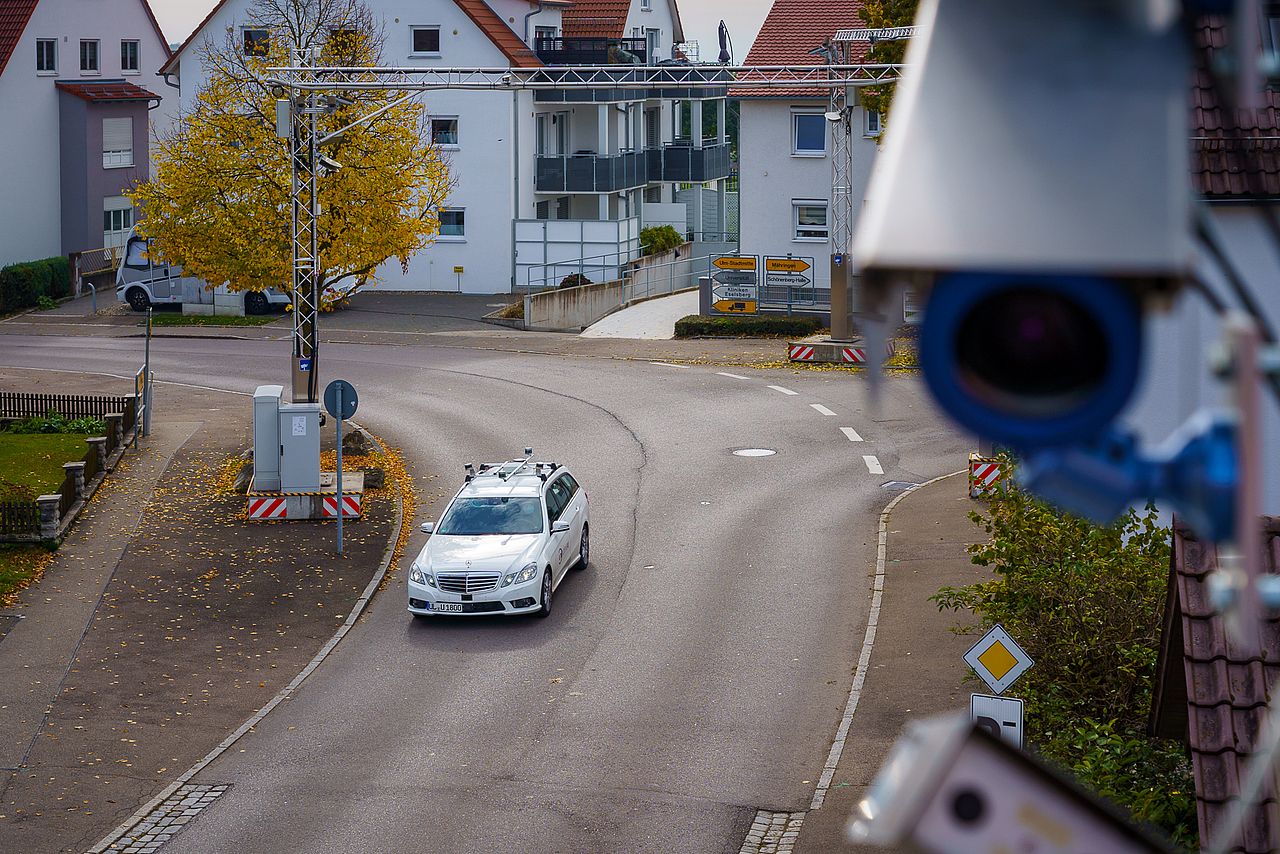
point(726, 42)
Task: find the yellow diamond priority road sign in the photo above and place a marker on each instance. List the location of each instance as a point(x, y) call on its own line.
point(998, 659)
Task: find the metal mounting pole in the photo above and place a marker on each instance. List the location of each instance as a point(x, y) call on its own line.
point(840, 220)
point(308, 106)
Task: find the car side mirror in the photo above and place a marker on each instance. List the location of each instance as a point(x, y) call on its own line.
point(559, 527)
point(428, 527)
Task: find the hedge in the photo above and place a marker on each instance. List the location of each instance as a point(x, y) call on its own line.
point(22, 285)
point(746, 326)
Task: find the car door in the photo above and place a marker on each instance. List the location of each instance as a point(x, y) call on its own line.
point(557, 501)
point(575, 513)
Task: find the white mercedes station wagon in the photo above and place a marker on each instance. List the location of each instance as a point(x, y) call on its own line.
point(504, 543)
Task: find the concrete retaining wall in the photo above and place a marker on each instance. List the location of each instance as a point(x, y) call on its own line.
point(572, 309)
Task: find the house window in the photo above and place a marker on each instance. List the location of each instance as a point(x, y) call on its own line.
point(426, 41)
point(544, 210)
point(646, 5)
point(453, 223)
point(89, 56)
point(256, 42)
point(544, 33)
point(129, 56)
point(653, 41)
point(870, 123)
point(444, 132)
point(117, 219)
point(117, 142)
point(810, 220)
point(47, 56)
point(808, 134)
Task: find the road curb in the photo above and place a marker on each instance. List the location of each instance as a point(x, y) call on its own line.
point(388, 556)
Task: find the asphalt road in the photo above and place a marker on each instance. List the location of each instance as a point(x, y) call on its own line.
point(694, 674)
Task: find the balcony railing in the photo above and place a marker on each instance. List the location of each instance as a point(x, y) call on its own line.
point(598, 51)
point(681, 162)
point(591, 173)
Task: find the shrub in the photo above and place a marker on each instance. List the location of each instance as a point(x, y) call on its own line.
point(657, 239)
point(1086, 603)
point(577, 280)
point(56, 422)
point(23, 285)
point(746, 326)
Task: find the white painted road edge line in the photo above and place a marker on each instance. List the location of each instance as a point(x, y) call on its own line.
point(284, 694)
point(868, 642)
point(732, 376)
point(821, 410)
point(668, 365)
point(851, 434)
point(873, 464)
point(783, 390)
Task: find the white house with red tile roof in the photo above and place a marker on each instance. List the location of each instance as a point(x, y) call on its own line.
point(786, 141)
point(78, 88)
point(539, 178)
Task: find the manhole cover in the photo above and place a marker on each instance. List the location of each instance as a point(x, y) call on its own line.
point(899, 484)
point(754, 452)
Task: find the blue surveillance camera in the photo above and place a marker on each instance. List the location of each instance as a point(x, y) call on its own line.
point(1031, 361)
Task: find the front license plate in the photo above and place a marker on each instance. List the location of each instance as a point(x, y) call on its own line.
point(448, 607)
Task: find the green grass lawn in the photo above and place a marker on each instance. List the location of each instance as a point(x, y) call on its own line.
point(35, 460)
point(20, 567)
point(166, 319)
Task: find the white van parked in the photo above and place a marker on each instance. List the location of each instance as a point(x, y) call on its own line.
point(142, 283)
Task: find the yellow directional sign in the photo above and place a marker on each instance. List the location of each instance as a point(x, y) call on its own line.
point(735, 263)
point(786, 265)
point(728, 306)
point(998, 659)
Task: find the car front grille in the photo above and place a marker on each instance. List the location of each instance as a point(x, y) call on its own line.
point(468, 582)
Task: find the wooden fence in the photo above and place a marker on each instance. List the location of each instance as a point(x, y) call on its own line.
point(19, 520)
point(15, 404)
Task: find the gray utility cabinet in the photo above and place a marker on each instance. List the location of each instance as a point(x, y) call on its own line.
point(286, 443)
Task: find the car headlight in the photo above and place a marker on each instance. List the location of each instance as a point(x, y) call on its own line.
point(418, 576)
point(527, 573)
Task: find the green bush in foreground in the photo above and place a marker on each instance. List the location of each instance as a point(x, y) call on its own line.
point(746, 326)
point(1086, 603)
point(56, 422)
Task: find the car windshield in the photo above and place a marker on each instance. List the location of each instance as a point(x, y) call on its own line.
point(469, 517)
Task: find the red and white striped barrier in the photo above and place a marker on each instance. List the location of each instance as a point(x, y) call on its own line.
point(985, 474)
point(350, 507)
point(800, 353)
point(854, 355)
point(268, 508)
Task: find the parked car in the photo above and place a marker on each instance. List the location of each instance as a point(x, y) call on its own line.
point(504, 544)
point(141, 282)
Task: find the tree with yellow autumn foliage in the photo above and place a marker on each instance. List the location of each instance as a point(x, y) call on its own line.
point(219, 205)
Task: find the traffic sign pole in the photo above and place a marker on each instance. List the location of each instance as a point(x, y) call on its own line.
point(340, 513)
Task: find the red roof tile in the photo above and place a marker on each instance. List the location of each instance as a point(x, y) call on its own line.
point(1244, 163)
point(792, 30)
point(1211, 693)
point(14, 15)
point(102, 91)
point(606, 19)
point(519, 54)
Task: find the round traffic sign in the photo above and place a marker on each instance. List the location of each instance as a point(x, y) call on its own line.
point(347, 392)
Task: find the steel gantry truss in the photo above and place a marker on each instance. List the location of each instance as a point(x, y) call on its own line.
point(306, 90)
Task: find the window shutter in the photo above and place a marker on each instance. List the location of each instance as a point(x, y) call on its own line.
point(117, 134)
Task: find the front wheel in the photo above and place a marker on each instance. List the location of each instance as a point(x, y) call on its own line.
point(138, 299)
point(545, 609)
point(255, 302)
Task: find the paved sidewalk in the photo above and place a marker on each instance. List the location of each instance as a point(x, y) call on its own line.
point(916, 668)
point(163, 623)
point(653, 319)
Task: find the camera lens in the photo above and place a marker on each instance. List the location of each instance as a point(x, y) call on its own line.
point(1031, 352)
point(968, 806)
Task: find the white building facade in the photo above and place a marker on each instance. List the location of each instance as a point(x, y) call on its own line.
point(541, 180)
point(786, 142)
point(78, 84)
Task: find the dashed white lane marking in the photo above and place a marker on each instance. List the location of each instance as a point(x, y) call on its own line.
point(821, 410)
point(668, 365)
point(851, 434)
point(873, 464)
point(783, 390)
point(732, 376)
